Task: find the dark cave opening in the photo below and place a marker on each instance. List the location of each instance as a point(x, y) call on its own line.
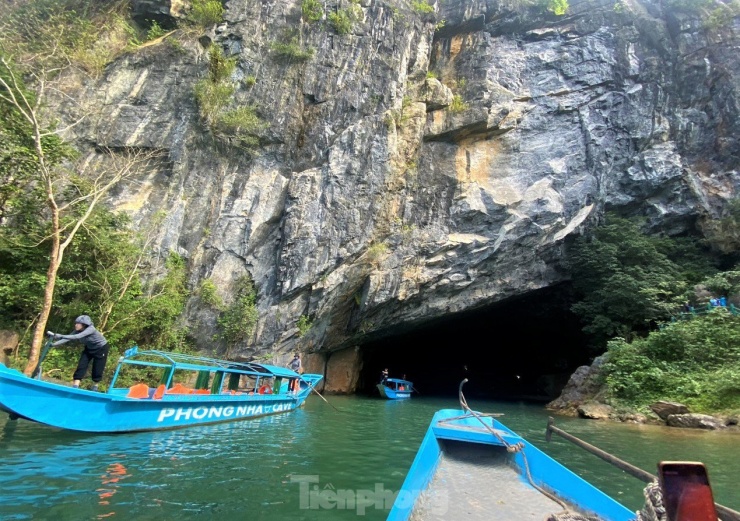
point(520, 349)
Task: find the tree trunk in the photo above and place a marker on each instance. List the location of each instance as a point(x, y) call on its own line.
point(55, 260)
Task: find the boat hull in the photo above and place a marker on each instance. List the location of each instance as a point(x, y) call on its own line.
point(387, 392)
point(87, 411)
point(545, 471)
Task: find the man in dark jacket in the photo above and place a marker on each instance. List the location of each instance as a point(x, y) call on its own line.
point(96, 349)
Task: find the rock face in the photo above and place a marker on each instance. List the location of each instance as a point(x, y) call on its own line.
point(405, 173)
point(582, 387)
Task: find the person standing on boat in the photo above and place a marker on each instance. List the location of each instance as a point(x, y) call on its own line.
point(384, 376)
point(295, 365)
point(96, 349)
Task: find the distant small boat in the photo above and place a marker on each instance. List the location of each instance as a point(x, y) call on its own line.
point(223, 391)
point(471, 466)
point(395, 388)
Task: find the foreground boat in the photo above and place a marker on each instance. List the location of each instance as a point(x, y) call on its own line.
point(471, 466)
point(223, 391)
point(395, 388)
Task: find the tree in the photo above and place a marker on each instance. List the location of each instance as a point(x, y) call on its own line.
point(626, 280)
point(71, 190)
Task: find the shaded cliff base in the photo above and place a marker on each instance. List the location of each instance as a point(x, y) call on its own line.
point(520, 349)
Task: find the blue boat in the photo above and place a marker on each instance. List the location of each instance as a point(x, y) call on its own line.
point(471, 466)
point(222, 391)
point(395, 388)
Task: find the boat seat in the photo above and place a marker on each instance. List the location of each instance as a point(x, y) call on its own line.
point(178, 388)
point(159, 392)
point(138, 391)
point(202, 391)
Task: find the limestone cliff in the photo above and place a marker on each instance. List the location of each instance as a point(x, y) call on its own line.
point(412, 168)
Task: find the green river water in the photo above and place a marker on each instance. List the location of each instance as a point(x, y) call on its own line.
point(251, 470)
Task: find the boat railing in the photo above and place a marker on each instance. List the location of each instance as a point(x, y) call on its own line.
point(725, 513)
point(213, 375)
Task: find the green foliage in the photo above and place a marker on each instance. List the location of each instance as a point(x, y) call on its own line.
point(220, 68)
point(212, 98)
point(46, 34)
point(206, 13)
point(312, 10)
point(304, 324)
point(242, 125)
point(250, 81)
point(208, 294)
point(237, 321)
point(291, 51)
point(421, 6)
point(723, 283)
point(626, 279)
point(457, 105)
point(557, 7)
point(155, 31)
point(431, 75)
point(342, 20)
point(696, 362)
point(376, 252)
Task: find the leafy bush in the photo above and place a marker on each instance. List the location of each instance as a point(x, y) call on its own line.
point(208, 294)
point(242, 124)
point(421, 6)
point(304, 324)
point(342, 21)
point(212, 97)
point(557, 7)
point(155, 31)
point(696, 362)
point(458, 105)
point(312, 10)
point(291, 51)
point(237, 321)
point(206, 13)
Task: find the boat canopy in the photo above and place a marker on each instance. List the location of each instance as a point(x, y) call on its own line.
point(398, 381)
point(200, 363)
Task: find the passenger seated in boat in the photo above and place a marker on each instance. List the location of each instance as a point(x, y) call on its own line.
point(265, 388)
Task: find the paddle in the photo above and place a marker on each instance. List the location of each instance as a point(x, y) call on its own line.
point(47, 346)
point(314, 390)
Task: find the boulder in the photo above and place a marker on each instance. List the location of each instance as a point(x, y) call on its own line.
point(694, 421)
point(595, 411)
point(664, 409)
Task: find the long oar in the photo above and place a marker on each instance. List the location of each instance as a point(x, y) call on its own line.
point(37, 371)
point(314, 390)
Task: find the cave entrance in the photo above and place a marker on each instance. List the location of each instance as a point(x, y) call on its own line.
point(520, 349)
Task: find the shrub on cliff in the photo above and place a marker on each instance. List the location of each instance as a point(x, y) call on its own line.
point(695, 362)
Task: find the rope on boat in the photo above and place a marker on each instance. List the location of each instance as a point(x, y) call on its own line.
point(517, 447)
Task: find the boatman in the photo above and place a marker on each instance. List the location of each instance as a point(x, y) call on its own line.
point(384, 376)
point(295, 365)
point(96, 349)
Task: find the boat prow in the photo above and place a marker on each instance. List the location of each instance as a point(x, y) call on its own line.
point(472, 466)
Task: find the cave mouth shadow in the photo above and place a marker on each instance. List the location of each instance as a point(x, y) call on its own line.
point(520, 349)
